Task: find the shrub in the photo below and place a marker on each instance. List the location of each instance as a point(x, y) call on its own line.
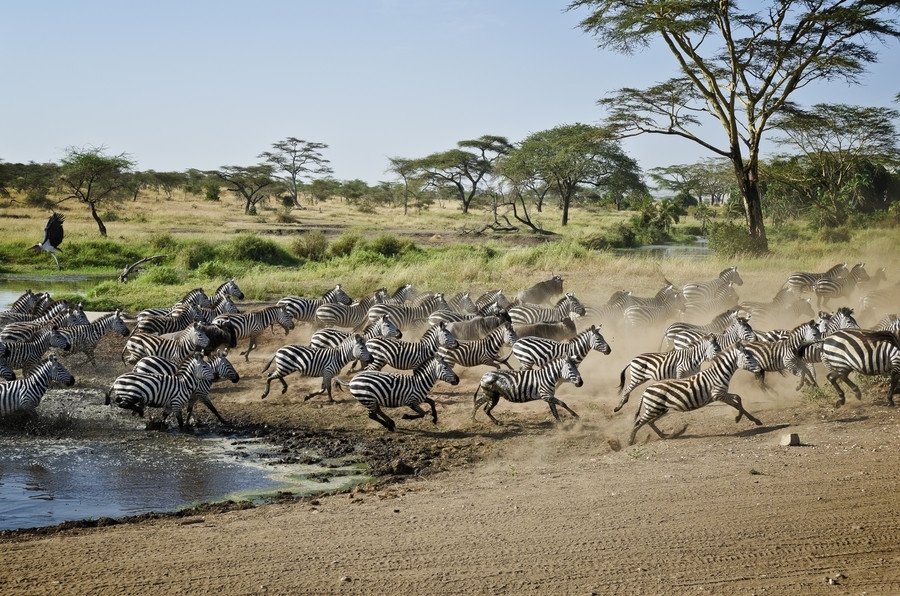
point(163, 242)
point(834, 235)
point(389, 246)
point(730, 239)
point(252, 248)
point(192, 254)
point(161, 276)
point(312, 246)
point(344, 245)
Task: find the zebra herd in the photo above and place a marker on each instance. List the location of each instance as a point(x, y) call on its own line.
point(706, 335)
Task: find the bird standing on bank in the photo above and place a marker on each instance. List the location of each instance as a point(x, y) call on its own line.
point(53, 236)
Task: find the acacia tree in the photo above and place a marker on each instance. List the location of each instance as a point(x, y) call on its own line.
point(740, 67)
point(93, 178)
point(571, 156)
point(294, 159)
point(247, 182)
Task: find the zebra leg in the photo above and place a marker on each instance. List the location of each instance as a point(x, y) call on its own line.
point(208, 403)
point(671, 435)
point(833, 378)
point(734, 400)
point(492, 403)
point(761, 380)
point(895, 380)
point(381, 418)
point(326, 386)
point(553, 402)
point(419, 412)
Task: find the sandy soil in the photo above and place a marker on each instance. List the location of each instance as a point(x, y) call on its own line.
point(529, 507)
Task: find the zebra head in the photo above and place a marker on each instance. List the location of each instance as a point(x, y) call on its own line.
point(76, 316)
point(386, 328)
point(441, 371)
point(223, 368)
point(58, 340)
point(732, 276)
point(509, 334)
point(568, 371)
point(196, 337)
point(117, 324)
point(809, 332)
point(337, 295)
point(597, 341)
point(444, 337)
point(358, 349)
point(57, 372)
point(226, 305)
point(197, 368)
point(745, 331)
point(842, 319)
point(711, 346)
point(745, 359)
point(859, 273)
point(573, 303)
point(229, 288)
point(283, 318)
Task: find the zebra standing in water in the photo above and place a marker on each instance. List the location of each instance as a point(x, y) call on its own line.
point(84, 338)
point(862, 351)
point(826, 289)
point(532, 352)
point(778, 356)
point(407, 355)
point(695, 392)
point(526, 314)
point(658, 366)
point(25, 394)
point(252, 324)
point(303, 310)
point(520, 386)
point(378, 389)
point(484, 351)
point(315, 362)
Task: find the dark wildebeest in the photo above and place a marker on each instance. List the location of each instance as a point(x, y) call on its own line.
point(541, 293)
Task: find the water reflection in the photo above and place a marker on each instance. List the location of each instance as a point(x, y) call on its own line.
point(699, 250)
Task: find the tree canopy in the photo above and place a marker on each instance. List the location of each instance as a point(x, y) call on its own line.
point(293, 159)
point(91, 177)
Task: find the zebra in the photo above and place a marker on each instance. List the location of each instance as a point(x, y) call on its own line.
point(785, 308)
point(879, 301)
point(658, 366)
point(229, 289)
point(477, 327)
point(563, 330)
point(84, 338)
point(695, 391)
point(349, 316)
point(542, 292)
point(826, 289)
point(196, 296)
point(251, 325)
point(802, 281)
point(611, 313)
point(6, 371)
point(303, 310)
point(533, 352)
point(725, 298)
point(739, 330)
point(175, 349)
point(782, 355)
point(25, 355)
point(525, 314)
point(641, 316)
point(409, 317)
point(315, 362)
point(25, 394)
point(492, 298)
point(137, 391)
point(718, 324)
point(702, 291)
point(221, 366)
point(828, 324)
point(520, 386)
point(331, 337)
point(407, 355)
point(484, 351)
point(863, 351)
point(60, 316)
point(181, 315)
point(23, 304)
point(377, 389)
point(220, 305)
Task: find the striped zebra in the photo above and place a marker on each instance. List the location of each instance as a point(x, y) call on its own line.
point(251, 325)
point(828, 323)
point(826, 289)
point(542, 292)
point(696, 391)
point(138, 391)
point(492, 298)
point(25, 394)
point(407, 355)
point(401, 295)
point(611, 313)
point(718, 324)
point(534, 352)
point(862, 351)
point(521, 386)
point(703, 291)
point(725, 298)
point(782, 355)
point(878, 301)
point(84, 338)
point(221, 305)
point(176, 348)
point(61, 315)
point(222, 368)
point(658, 366)
point(661, 296)
point(25, 355)
point(410, 317)
point(315, 362)
point(196, 296)
point(348, 316)
point(6, 371)
point(331, 337)
point(525, 314)
point(303, 310)
point(785, 308)
point(228, 289)
point(484, 351)
point(182, 315)
point(643, 316)
point(378, 389)
point(739, 330)
point(22, 305)
point(802, 281)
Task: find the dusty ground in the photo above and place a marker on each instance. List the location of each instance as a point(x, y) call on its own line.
point(529, 507)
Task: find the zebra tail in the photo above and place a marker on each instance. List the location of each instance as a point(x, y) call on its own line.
point(269, 363)
point(340, 383)
point(622, 379)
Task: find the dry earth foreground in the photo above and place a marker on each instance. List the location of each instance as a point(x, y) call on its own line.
point(528, 507)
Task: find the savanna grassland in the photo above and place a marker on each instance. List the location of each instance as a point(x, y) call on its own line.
point(527, 507)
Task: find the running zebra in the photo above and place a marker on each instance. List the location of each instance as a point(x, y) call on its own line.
point(137, 391)
point(703, 291)
point(25, 394)
point(196, 296)
point(25, 355)
point(879, 301)
point(492, 299)
point(862, 351)
point(802, 281)
point(725, 298)
point(315, 362)
point(176, 349)
point(84, 338)
point(719, 324)
point(484, 351)
point(534, 352)
point(828, 324)
point(348, 316)
point(643, 316)
point(826, 289)
point(252, 324)
point(303, 310)
point(407, 355)
point(658, 366)
point(520, 386)
point(181, 315)
point(410, 317)
point(526, 314)
point(221, 305)
point(24, 304)
point(331, 337)
point(62, 315)
point(695, 392)
point(378, 389)
point(784, 309)
point(782, 355)
point(739, 330)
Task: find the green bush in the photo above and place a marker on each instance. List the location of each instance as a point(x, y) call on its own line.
point(312, 246)
point(161, 276)
point(730, 239)
point(163, 242)
point(834, 235)
point(191, 254)
point(389, 246)
point(255, 249)
point(344, 245)
point(215, 269)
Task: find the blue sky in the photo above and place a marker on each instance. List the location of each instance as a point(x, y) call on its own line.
point(203, 84)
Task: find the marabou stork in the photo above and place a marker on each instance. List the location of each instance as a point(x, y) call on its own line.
point(53, 236)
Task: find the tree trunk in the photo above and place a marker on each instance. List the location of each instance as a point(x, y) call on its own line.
point(748, 181)
point(99, 221)
point(565, 206)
